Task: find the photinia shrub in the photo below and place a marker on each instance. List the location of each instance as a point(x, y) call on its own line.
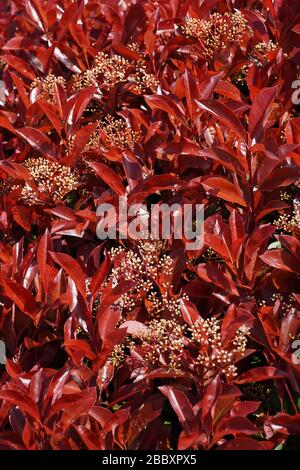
point(143, 344)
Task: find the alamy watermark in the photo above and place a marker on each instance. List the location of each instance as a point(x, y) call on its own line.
point(296, 353)
point(2, 93)
point(2, 352)
point(162, 221)
point(296, 93)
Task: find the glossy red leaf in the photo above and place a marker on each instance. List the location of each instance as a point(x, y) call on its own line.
point(260, 112)
point(225, 115)
point(109, 176)
point(189, 312)
point(81, 103)
point(259, 374)
point(25, 403)
point(253, 246)
point(20, 296)
point(73, 269)
point(181, 405)
point(38, 141)
point(222, 188)
point(19, 65)
point(73, 405)
point(281, 260)
point(167, 105)
point(284, 423)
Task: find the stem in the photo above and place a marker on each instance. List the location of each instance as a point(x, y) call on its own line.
point(290, 397)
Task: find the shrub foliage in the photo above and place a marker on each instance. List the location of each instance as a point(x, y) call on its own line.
point(124, 344)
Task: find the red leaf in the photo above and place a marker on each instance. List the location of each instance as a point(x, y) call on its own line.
point(105, 375)
point(166, 104)
point(147, 413)
point(71, 14)
point(280, 259)
point(38, 141)
point(257, 23)
point(222, 112)
point(81, 103)
point(234, 425)
point(222, 188)
point(109, 176)
point(246, 443)
point(20, 296)
point(49, 109)
point(229, 90)
point(22, 215)
point(107, 321)
point(296, 29)
point(73, 405)
point(99, 277)
point(189, 312)
point(259, 113)
point(23, 401)
point(44, 246)
point(244, 408)
point(21, 89)
point(191, 93)
point(36, 12)
point(20, 65)
point(181, 405)
point(259, 374)
point(254, 244)
point(80, 346)
point(81, 139)
point(90, 438)
point(153, 184)
point(284, 423)
point(15, 170)
point(19, 42)
point(6, 125)
point(207, 87)
point(73, 269)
